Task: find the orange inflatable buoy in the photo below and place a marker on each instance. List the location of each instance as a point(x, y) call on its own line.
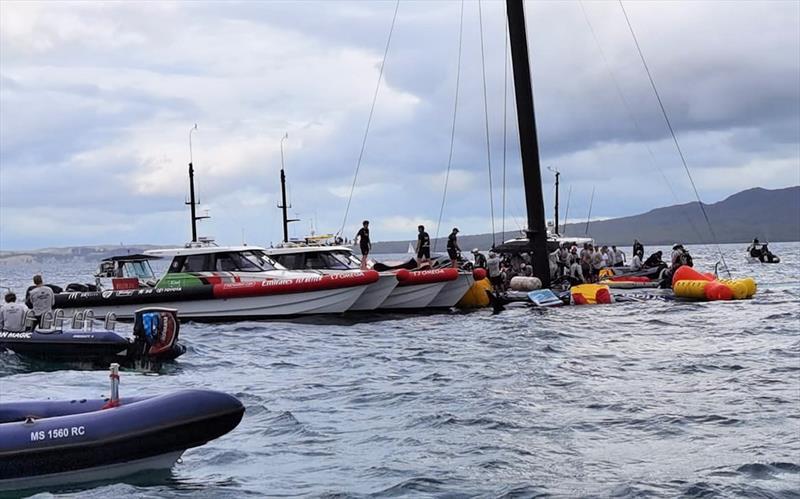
point(718, 291)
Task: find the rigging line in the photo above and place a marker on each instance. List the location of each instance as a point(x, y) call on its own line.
point(631, 115)
point(369, 120)
point(486, 121)
point(453, 129)
point(674, 138)
point(589, 216)
point(505, 123)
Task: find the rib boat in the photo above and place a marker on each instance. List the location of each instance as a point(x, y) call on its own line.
point(209, 282)
point(51, 443)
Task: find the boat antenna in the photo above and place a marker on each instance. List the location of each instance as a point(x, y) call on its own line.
point(566, 211)
point(589, 216)
point(529, 144)
point(285, 206)
point(192, 202)
point(558, 174)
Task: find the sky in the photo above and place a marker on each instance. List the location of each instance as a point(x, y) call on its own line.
point(97, 101)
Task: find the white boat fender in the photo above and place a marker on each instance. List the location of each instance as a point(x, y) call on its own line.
point(522, 283)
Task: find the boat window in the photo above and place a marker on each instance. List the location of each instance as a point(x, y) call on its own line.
point(292, 262)
point(324, 260)
point(225, 262)
point(195, 263)
point(260, 259)
point(346, 258)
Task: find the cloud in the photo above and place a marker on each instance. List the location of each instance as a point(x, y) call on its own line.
point(96, 102)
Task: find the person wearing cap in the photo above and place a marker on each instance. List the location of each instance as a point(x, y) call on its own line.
point(12, 314)
point(364, 242)
point(480, 260)
point(423, 245)
point(453, 251)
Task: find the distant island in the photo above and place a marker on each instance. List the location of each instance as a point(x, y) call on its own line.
point(769, 214)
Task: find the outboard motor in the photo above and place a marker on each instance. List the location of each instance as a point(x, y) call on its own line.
point(155, 335)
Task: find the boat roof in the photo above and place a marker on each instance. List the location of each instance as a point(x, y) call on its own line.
point(131, 258)
point(289, 250)
point(202, 250)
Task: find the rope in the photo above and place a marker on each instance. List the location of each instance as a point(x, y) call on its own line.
point(369, 120)
point(629, 111)
point(453, 129)
point(674, 138)
point(486, 121)
point(505, 123)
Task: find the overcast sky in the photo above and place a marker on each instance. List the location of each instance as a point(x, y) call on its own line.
point(97, 99)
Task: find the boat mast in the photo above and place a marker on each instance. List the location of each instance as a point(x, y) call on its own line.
point(558, 174)
point(529, 145)
point(192, 203)
point(284, 205)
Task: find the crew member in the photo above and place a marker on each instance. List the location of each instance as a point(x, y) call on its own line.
point(754, 250)
point(480, 260)
point(423, 245)
point(495, 272)
point(363, 241)
point(637, 247)
point(619, 256)
point(636, 262)
point(12, 314)
point(677, 256)
point(40, 298)
point(453, 251)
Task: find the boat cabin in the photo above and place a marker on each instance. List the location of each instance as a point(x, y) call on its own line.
point(218, 259)
point(315, 257)
point(126, 272)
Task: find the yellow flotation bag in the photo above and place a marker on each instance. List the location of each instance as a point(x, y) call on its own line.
point(741, 288)
point(695, 289)
point(590, 294)
point(476, 296)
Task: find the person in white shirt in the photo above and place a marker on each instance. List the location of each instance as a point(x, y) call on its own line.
point(12, 314)
point(636, 262)
point(619, 257)
point(40, 298)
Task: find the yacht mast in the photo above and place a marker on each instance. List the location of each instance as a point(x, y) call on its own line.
point(529, 145)
point(284, 205)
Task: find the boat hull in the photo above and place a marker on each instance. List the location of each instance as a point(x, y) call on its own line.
point(413, 296)
point(453, 291)
point(376, 294)
point(71, 441)
point(328, 301)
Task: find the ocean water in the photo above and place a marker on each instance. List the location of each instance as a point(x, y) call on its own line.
point(654, 399)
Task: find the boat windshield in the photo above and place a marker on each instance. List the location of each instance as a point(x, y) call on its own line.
point(140, 270)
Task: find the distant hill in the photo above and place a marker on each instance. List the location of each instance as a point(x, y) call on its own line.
point(769, 214)
point(74, 253)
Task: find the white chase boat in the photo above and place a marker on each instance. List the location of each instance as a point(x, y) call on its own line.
point(206, 282)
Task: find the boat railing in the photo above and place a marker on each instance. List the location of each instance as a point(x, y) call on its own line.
point(46, 321)
point(30, 320)
point(58, 319)
point(88, 320)
point(77, 320)
point(111, 321)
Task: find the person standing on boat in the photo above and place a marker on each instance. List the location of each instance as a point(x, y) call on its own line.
point(40, 298)
point(423, 245)
point(636, 262)
point(364, 243)
point(619, 256)
point(637, 247)
point(453, 251)
point(12, 314)
point(494, 270)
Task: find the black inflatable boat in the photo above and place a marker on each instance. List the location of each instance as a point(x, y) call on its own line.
point(46, 443)
point(155, 338)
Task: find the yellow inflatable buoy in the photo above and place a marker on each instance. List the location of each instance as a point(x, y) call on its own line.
point(590, 294)
point(695, 289)
point(476, 296)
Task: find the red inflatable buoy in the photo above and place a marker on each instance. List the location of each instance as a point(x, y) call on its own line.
point(717, 291)
point(479, 274)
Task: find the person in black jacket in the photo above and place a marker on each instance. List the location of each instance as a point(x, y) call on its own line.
point(364, 243)
point(453, 251)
